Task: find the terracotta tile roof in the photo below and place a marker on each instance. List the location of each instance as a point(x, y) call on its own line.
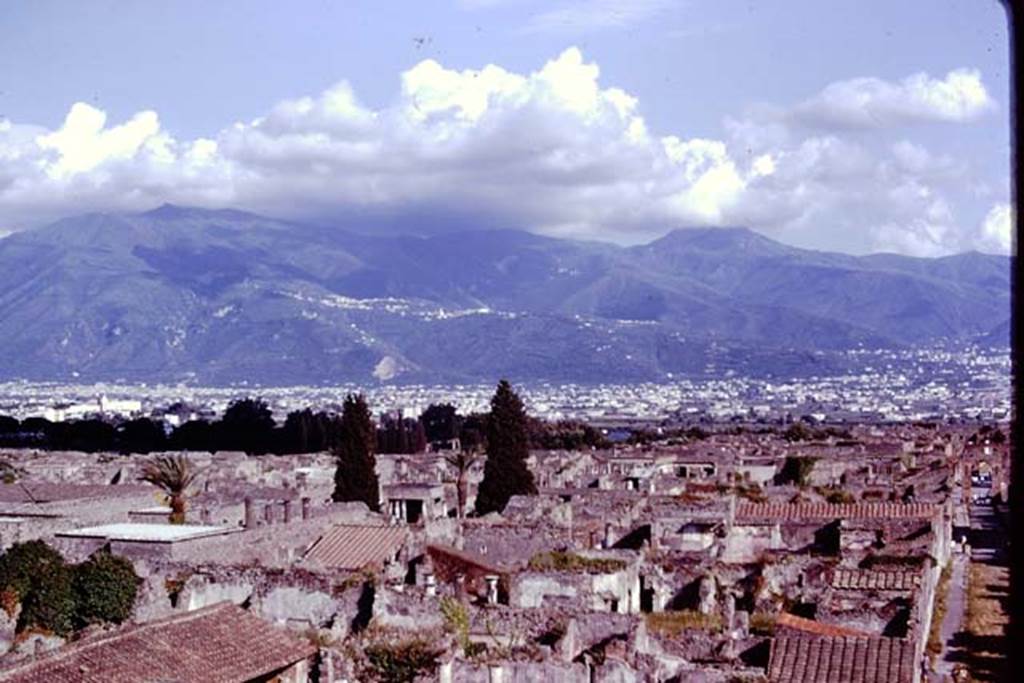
point(49, 492)
point(818, 628)
point(353, 547)
point(876, 579)
point(829, 511)
point(218, 644)
point(445, 557)
point(803, 659)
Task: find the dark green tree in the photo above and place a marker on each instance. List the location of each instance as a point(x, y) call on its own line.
point(141, 435)
point(355, 478)
point(105, 587)
point(505, 472)
point(194, 435)
point(36, 575)
point(441, 422)
point(247, 425)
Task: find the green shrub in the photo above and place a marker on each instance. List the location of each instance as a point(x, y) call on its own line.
point(401, 662)
point(49, 605)
point(105, 587)
point(673, 623)
point(36, 575)
point(559, 561)
point(795, 470)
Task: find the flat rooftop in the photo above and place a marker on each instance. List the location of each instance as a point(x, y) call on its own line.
point(161, 533)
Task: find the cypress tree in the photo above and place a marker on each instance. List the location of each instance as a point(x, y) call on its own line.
point(355, 479)
point(505, 473)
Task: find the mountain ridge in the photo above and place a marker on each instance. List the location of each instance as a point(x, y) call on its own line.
point(226, 295)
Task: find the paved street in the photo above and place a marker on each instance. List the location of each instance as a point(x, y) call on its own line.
point(986, 540)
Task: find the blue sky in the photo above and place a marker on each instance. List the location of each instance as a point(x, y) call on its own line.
point(855, 126)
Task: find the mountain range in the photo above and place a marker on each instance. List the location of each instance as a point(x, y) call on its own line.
point(218, 297)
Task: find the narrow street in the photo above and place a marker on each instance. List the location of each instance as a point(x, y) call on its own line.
point(986, 540)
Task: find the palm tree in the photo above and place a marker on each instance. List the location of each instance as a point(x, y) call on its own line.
point(461, 461)
point(172, 474)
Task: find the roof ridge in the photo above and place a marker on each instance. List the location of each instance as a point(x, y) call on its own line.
point(74, 647)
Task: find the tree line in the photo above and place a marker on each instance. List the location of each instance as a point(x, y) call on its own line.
point(248, 425)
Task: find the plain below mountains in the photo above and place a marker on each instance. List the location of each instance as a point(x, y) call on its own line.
point(219, 297)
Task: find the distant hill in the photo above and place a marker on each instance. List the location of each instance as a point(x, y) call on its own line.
point(225, 296)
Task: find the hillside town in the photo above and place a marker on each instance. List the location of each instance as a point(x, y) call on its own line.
point(807, 550)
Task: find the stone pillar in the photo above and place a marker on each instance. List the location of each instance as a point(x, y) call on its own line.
point(495, 673)
point(460, 587)
point(268, 513)
point(204, 515)
point(609, 536)
point(305, 507)
point(250, 514)
point(729, 612)
point(492, 589)
point(431, 584)
point(742, 621)
point(706, 591)
point(287, 511)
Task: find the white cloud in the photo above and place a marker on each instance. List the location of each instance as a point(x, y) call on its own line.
point(872, 102)
point(554, 150)
point(996, 234)
point(589, 15)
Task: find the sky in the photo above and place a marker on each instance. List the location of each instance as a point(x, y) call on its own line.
point(851, 125)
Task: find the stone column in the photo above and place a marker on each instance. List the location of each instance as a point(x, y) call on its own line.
point(431, 584)
point(305, 508)
point(729, 612)
point(268, 513)
point(492, 589)
point(287, 511)
point(250, 514)
point(609, 536)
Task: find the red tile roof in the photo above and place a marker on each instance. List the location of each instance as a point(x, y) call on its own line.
point(218, 644)
point(876, 579)
point(818, 628)
point(353, 547)
point(830, 511)
point(804, 659)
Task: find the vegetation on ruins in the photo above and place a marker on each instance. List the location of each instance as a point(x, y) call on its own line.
point(795, 470)
point(456, 622)
point(355, 478)
point(935, 644)
point(672, 623)
point(762, 623)
point(172, 474)
point(560, 561)
point(835, 494)
point(56, 597)
point(505, 472)
point(389, 659)
point(105, 587)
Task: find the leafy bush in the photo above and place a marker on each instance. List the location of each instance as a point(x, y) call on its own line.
point(49, 605)
point(558, 561)
point(456, 621)
point(105, 587)
point(762, 623)
point(401, 662)
point(673, 623)
point(56, 597)
point(795, 470)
